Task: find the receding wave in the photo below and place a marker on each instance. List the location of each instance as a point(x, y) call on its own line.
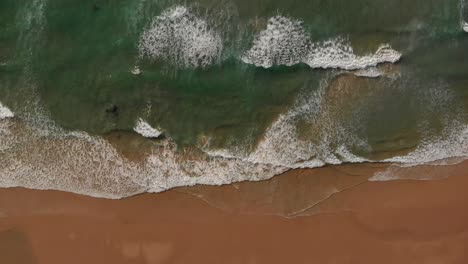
point(81, 163)
point(41, 155)
point(285, 42)
point(321, 125)
point(332, 133)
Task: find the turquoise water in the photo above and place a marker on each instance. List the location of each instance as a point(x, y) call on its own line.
point(275, 84)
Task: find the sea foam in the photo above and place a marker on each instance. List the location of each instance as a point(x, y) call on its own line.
point(5, 112)
point(36, 153)
point(447, 149)
point(463, 23)
point(146, 130)
point(338, 54)
point(281, 145)
point(333, 136)
point(181, 38)
point(371, 72)
point(285, 42)
point(452, 143)
point(77, 162)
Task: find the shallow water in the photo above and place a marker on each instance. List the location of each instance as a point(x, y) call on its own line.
point(241, 90)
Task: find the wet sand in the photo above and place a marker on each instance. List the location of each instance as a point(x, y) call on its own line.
point(326, 215)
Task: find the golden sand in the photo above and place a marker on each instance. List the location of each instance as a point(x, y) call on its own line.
point(275, 221)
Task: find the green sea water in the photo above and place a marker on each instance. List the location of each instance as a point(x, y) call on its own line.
point(80, 64)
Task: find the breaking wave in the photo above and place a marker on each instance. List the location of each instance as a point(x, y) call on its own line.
point(285, 42)
point(41, 155)
point(181, 38)
point(5, 112)
point(80, 163)
point(463, 23)
point(331, 135)
point(37, 153)
point(146, 130)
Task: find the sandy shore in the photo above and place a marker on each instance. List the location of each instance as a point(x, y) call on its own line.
point(327, 215)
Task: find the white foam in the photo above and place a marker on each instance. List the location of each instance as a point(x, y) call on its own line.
point(371, 72)
point(376, 72)
point(80, 163)
point(285, 42)
point(390, 174)
point(182, 38)
point(452, 143)
point(463, 23)
point(403, 171)
point(38, 154)
point(170, 170)
point(338, 54)
point(136, 70)
point(447, 148)
point(282, 146)
point(146, 130)
point(5, 112)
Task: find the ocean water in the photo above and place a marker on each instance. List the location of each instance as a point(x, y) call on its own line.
point(114, 98)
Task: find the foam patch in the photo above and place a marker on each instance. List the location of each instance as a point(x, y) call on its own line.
point(181, 38)
point(146, 130)
point(338, 54)
point(285, 42)
point(5, 112)
point(81, 163)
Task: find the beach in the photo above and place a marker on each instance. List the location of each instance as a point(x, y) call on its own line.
point(404, 221)
point(260, 131)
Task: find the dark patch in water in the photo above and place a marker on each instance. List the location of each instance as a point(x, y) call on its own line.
point(113, 110)
point(96, 8)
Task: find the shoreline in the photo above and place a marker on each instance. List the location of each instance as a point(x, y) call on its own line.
point(366, 222)
point(123, 164)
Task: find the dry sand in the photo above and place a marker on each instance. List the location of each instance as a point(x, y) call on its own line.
point(276, 221)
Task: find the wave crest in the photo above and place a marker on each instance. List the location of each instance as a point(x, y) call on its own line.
point(285, 42)
point(5, 112)
point(182, 38)
point(146, 130)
